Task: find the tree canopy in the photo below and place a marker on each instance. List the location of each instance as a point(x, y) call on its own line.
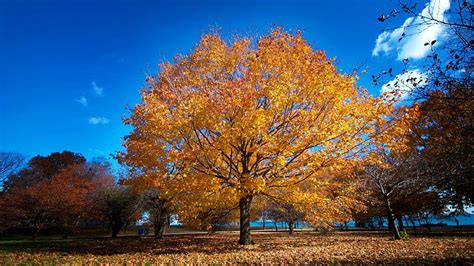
point(241, 119)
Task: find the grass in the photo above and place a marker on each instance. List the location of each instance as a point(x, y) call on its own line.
point(269, 247)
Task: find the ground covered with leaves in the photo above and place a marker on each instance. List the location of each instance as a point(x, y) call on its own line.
point(308, 247)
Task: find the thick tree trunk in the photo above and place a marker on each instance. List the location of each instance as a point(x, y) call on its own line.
point(290, 227)
point(244, 206)
point(159, 228)
point(390, 223)
point(161, 218)
point(116, 226)
point(391, 219)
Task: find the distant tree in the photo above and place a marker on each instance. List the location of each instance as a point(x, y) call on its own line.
point(10, 163)
point(282, 211)
point(445, 96)
point(62, 200)
point(373, 216)
point(154, 198)
point(390, 169)
point(444, 137)
point(43, 168)
point(159, 210)
point(118, 205)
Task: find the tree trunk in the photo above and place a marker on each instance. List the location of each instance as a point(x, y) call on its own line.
point(391, 219)
point(263, 220)
point(125, 228)
point(161, 218)
point(244, 206)
point(390, 223)
point(35, 233)
point(290, 227)
point(276, 226)
point(159, 228)
point(400, 223)
point(37, 226)
point(116, 226)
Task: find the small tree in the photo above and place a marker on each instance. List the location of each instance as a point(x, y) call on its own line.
point(119, 205)
point(159, 209)
point(282, 211)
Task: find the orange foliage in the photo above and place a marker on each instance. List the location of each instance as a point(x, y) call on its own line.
point(232, 121)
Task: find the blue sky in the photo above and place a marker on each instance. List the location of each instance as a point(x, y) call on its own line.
point(68, 69)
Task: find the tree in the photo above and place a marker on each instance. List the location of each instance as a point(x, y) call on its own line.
point(445, 138)
point(10, 163)
point(155, 198)
point(284, 212)
point(392, 172)
point(445, 96)
point(62, 200)
point(159, 210)
point(458, 26)
point(118, 205)
point(373, 216)
point(251, 119)
point(388, 183)
point(43, 168)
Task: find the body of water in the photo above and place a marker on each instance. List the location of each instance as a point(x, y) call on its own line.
point(463, 220)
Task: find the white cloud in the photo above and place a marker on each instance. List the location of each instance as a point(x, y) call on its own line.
point(99, 91)
point(418, 31)
point(403, 84)
point(82, 101)
point(96, 120)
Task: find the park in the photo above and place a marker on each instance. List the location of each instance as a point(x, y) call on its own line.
point(221, 248)
point(239, 147)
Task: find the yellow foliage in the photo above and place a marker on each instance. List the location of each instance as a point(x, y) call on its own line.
point(247, 118)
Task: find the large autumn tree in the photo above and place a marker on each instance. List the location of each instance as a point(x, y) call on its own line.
point(247, 118)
